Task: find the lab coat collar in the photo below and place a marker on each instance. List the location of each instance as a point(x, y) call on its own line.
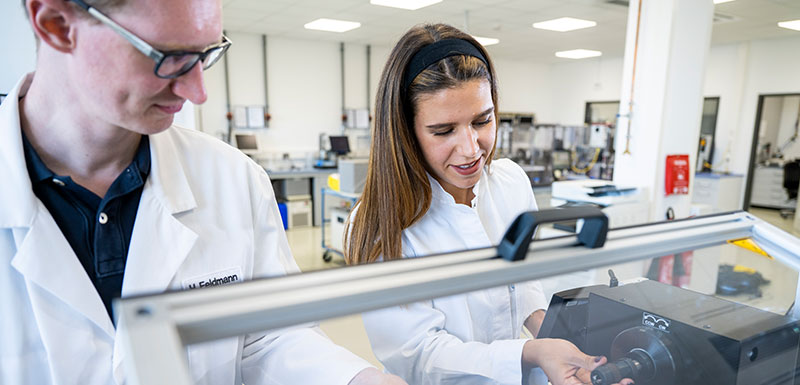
point(167, 175)
point(154, 261)
point(160, 241)
point(43, 254)
point(17, 201)
point(439, 194)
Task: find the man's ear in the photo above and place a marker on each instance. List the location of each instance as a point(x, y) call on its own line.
point(53, 23)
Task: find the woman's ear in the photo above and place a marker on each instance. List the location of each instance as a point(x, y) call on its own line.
point(52, 23)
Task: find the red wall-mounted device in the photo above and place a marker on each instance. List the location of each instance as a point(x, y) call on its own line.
point(677, 175)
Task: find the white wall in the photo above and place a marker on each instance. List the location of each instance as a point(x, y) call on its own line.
point(572, 84)
point(17, 45)
point(786, 126)
point(724, 64)
point(523, 87)
point(769, 125)
point(304, 92)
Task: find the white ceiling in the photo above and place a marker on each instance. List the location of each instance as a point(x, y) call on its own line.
point(508, 20)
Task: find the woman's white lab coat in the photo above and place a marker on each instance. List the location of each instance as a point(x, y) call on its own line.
point(206, 211)
point(465, 339)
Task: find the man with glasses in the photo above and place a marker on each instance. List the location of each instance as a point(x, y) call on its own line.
point(102, 198)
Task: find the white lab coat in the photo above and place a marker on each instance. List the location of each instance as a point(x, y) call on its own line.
point(465, 339)
point(205, 210)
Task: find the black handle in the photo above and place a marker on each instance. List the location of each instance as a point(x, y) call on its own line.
point(517, 239)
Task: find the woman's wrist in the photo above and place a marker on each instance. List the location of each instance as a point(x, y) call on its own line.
point(530, 353)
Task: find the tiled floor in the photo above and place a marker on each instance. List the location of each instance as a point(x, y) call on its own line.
point(349, 331)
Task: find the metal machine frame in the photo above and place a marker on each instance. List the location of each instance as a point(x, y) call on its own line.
point(173, 320)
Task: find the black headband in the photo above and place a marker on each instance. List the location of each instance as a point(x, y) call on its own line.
point(439, 50)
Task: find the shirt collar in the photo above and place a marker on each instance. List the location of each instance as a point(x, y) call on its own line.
point(141, 161)
point(39, 172)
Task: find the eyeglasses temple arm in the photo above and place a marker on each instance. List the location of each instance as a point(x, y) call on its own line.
point(140, 44)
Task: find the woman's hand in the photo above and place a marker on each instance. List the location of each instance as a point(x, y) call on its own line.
point(561, 361)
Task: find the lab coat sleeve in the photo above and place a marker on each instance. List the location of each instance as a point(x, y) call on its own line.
point(296, 355)
point(411, 342)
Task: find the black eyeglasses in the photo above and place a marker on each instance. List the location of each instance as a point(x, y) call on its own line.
point(169, 64)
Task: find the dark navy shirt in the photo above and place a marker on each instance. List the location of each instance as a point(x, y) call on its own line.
point(98, 229)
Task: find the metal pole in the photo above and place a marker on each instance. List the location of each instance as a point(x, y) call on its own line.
point(341, 59)
point(369, 87)
point(266, 79)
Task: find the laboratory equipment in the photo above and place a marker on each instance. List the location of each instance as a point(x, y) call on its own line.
point(657, 334)
point(352, 175)
point(156, 328)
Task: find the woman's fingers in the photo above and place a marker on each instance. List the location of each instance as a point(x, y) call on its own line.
point(588, 362)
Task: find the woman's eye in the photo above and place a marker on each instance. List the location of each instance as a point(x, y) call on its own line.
point(483, 123)
point(443, 133)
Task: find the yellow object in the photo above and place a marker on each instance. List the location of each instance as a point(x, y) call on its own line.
point(333, 181)
point(589, 166)
point(749, 244)
point(744, 269)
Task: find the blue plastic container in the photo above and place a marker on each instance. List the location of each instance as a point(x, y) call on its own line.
point(284, 214)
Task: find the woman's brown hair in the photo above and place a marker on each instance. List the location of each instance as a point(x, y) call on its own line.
point(397, 192)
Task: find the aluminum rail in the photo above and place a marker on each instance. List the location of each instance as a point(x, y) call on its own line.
point(173, 320)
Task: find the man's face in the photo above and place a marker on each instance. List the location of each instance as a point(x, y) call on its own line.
point(115, 82)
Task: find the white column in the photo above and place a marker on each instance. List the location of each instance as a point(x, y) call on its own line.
point(673, 44)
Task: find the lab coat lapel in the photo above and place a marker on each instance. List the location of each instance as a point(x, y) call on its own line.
point(43, 255)
point(160, 242)
point(17, 201)
point(45, 258)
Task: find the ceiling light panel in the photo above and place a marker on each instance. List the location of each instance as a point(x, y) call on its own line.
point(411, 5)
point(722, 1)
point(791, 24)
point(564, 24)
point(332, 25)
point(486, 41)
point(578, 54)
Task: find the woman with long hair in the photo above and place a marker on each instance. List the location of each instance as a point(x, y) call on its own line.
point(432, 187)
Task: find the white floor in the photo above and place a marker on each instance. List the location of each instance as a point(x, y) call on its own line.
point(349, 331)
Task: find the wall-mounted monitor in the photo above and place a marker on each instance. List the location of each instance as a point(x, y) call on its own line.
point(340, 145)
point(247, 142)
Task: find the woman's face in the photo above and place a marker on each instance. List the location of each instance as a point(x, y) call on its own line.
point(456, 130)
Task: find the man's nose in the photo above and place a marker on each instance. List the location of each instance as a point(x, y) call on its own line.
point(190, 85)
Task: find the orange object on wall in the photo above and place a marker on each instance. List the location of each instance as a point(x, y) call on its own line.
point(677, 175)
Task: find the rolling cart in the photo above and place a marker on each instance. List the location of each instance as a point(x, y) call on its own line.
point(330, 249)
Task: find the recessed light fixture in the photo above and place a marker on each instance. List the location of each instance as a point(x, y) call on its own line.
point(486, 40)
point(564, 24)
point(578, 54)
point(722, 1)
point(411, 5)
point(332, 25)
point(791, 24)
